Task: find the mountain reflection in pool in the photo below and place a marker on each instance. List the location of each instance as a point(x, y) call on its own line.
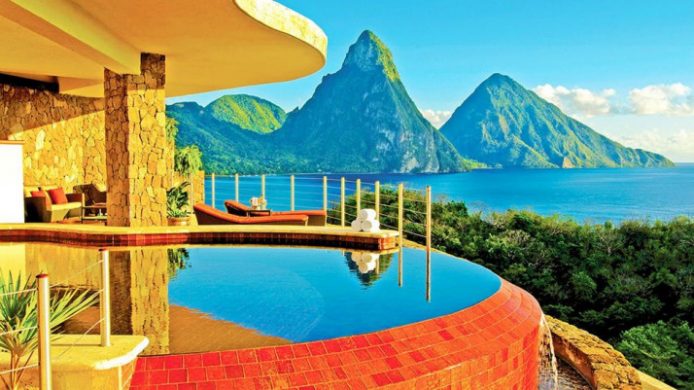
point(311, 294)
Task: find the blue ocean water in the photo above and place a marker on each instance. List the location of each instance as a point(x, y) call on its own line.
point(587, 195)
point(312, 294)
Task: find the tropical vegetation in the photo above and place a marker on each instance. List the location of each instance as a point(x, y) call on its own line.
point(19, 320)
point(663, 349)
point(631, 284)
point(178, 200)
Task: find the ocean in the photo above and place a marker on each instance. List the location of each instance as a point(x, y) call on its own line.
point(586, 195)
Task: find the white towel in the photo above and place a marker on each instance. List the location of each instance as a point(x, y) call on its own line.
point(370, 226)
point(369, 257)
point(367, 214)
point(356, 225)
point(366, 264)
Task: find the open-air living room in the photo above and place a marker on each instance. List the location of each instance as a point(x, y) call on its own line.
point(150, 243)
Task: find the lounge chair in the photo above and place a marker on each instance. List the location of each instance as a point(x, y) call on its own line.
point(315, 217)
point(207, 215)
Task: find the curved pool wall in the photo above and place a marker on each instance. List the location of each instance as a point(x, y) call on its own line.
point(491, 344)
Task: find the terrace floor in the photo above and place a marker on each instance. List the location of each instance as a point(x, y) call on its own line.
point(106, 236)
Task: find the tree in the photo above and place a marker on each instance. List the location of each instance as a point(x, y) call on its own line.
point(663, 350)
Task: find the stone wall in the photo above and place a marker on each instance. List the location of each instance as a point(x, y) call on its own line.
point(603, 366)
point(137, 150)
point(63, 135)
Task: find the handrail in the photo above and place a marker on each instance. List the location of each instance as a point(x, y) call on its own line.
point(341, 197)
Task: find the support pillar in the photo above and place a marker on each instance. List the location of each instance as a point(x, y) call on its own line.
point(137, 151)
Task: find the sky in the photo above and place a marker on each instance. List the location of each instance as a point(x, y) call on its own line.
point(625, 68)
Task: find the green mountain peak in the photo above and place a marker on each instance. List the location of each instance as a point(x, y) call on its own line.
point(247, 112)
point(503, 124)
point(498, 79)
point(370, 54)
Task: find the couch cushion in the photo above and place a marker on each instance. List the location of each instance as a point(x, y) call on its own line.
point(29, 189)
point(65, 206)
point(42, 194)
point(58, 195)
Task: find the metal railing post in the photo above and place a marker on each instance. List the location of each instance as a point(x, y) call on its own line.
point(428, 221)
point(291, 192)
point(428, 242)
point(325, 193)
point(400, 267)
point(342, 201)
point(44, 330)
point(236, 187)
point(262, 186)
point(401, 212)
point(213, 191)
point(358, 196)
point(105, 300)
point(377, 199)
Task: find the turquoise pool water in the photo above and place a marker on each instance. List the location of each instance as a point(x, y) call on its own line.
point(311, 294)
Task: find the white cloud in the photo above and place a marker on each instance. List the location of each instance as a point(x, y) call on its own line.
point(677, 145)
point(578, 102)
point(672, 136)
point(665, 99)
point(436, 117)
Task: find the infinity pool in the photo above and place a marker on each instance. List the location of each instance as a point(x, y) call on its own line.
point(235, 309)
point(200, 299)
point(311, 294)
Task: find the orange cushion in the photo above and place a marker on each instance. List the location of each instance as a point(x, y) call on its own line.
point(57, 195)
point(42, 194)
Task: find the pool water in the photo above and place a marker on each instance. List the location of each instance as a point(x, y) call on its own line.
point(200, 299)
point(301, 294)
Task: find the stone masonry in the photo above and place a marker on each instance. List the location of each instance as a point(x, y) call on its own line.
point(136, 147)
point(63, 135)
point(604, 367)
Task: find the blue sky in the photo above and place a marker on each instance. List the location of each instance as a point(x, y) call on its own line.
point(624, 67)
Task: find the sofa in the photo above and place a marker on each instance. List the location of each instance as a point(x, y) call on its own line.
point(39, 209)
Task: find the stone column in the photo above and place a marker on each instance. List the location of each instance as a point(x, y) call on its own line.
point(136, 145)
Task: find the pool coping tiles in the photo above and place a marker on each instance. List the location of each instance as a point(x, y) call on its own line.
point(104, 236)
point(491, 345)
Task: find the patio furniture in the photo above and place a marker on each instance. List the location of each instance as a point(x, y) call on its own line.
point(207, 215)
point(315, 217)
point(93, 193)
point(40, 208)
point(94, 212)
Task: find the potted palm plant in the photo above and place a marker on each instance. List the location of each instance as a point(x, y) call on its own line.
point(178, 205)
point(19, 320)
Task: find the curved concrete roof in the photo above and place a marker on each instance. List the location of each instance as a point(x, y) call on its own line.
point(210, 45)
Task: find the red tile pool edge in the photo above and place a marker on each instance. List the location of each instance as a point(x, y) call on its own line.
point(493, 344)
